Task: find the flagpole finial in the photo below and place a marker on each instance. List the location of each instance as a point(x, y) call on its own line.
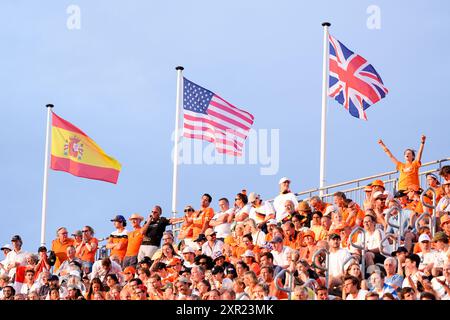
point(49, 105)
point(179, 68)
point(326, 24)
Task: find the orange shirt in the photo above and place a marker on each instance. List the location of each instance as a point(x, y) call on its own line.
point(121, 238)
point(134, 242)
point(275, 292)
point(87, 255)
point(200, 219)
point(415, 206)
point(60, 251)
point(360, 214)
point(409, 174)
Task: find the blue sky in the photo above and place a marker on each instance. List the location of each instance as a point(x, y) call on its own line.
point(114, 78)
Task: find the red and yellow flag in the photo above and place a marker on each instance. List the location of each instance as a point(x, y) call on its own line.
point(74, 152)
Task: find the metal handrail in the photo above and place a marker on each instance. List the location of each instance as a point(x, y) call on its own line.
point(358, 181)
point(327, 263)
point(387, 237)
point(362, 248)
point(432, 207)
point(420, 218)
point(285, 289)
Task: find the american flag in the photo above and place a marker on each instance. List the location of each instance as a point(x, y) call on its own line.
point(353, 82)
point(209, 117)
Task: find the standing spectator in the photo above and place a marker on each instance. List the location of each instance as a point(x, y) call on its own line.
point(15, 257)
point(134, 241)
point(220, 220)
point(285, 194)
point(43, 264)
point(201, 218)
point(186, 229)
point(241, 210)
point(77, 238)
point(59, 246)
point(445, 173)
point(6, 248)
point(260, 211)
point(86, 250)
point(443, 206)
point(153, 231)
point(409, 171)
point(118, 239)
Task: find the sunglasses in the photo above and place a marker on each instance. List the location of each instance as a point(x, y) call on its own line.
point(155, 211)
point(85, 231)
point(188, 210)
point(237, 199)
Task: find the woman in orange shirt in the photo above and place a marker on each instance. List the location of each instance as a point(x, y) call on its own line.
point(409, 171)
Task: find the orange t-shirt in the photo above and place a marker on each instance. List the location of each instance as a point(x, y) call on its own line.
point(87, 255)
point(134, 242)
point(273, 291)
point(60, 251)
point(360, 214)
point(200, 219)
point(122, 238)
point(409, 174)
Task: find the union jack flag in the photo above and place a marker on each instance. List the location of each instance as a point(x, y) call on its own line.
point(353, 82)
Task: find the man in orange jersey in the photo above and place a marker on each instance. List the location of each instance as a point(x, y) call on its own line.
point(201, 218)
point(134, 241)
point(118, 239)
point(59, 246)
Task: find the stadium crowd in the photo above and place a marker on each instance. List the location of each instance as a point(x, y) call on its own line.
point(391, 246)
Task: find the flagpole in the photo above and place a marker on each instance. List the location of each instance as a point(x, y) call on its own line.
point(177, 138)
point(44, 192)
point(324, 106)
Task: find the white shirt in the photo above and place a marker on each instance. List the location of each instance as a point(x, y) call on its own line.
point(13, 257)
point(259, 214)
point(428, 258)
point(280, 201)
point(443, 204)
point(373, 241)
point(439, 288)
point(223, 230)
point(360, 296)
point(259, 238)
point(208, 250)
point(336, 261)
point(99, 272)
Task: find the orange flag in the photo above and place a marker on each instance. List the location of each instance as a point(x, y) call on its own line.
point(74, 152)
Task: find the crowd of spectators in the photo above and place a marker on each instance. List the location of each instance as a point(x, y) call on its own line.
point(254, 249)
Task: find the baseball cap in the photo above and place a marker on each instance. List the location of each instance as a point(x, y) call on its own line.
point(250, 253)
point(136, 216)
point(440, 236)
point(77, 233)
point(378, 183)
point(201, 237)
point(16, 238)
point(272, 221)
point(75, 273)
point(334, 236)
point(252, 197)
point(424, 237)
point(368, 188)
point(188, 250)
point(209, 232)
point(119, 218)
point(129, 269)
point(6, 246)
point(146, 260)
point(230, 270)
point(379, 194)
point(329, 210)
point(277, 239)
point(400, 193)
point(432, 175)
point(445, 219)
point(42, 248)
point(53, 277)
point(399, 250)
point(217, 255)
point(217, 269)
point(284, 179)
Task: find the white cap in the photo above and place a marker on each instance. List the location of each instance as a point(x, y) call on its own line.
point(188, 250)
point(7, 246)
point(283, 180)
point(424, 237)
point(248, 253)
point(329, 210)
point(272, 221)
point(75, 273)
point(252, 197)
point(377, 194)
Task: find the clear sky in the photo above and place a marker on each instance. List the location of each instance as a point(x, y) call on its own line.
point(114, 78)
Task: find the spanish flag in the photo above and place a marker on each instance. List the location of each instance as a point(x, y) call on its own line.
point(74, 152)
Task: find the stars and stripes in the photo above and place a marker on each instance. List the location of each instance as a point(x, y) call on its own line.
point(353, 82)
point(209, 117)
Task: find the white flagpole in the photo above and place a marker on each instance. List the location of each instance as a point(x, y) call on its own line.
point(177, 138)
point(44, 192)
point(324, 106)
